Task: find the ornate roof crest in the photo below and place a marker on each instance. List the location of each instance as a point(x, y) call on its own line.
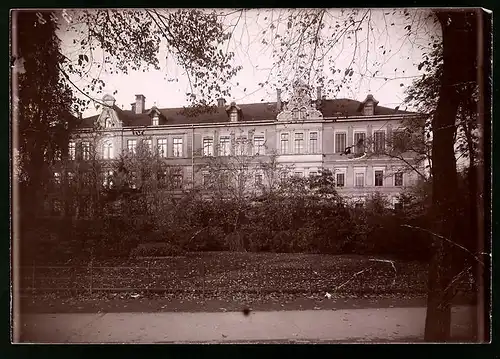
point(300, 106)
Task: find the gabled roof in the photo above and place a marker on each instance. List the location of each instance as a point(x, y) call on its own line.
point(249, 112)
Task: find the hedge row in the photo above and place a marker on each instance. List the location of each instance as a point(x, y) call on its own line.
point(283, 227)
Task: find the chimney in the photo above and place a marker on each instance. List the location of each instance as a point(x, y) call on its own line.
point(278, 99)
point(221, 102)
point(132, 105)
point(140, 104)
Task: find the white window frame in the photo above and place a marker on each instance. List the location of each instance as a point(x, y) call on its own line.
point(233, 115)
point(156, 120)
point(375, 169)
point(342, 150)
point(208, 148)
point(342, 171)
point(178, 146)
point(131, 146)
point(86, 150)
point(302, 113)
point(354, 144)
point(298, 173)
point(149, 143)
point(317, 149)
point(241, 145)
point(225, 147)
point(298, 143)
point(359, 170)
point(385, 140)
point(72, 150)
point(162, 146)
point(287, 142)
point(107, 150)
point(108, 179)
point(133, 178)
point(259, 149)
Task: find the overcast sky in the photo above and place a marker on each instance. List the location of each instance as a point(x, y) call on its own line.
point(396, 67)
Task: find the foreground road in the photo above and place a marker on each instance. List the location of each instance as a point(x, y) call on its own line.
point(350, 325)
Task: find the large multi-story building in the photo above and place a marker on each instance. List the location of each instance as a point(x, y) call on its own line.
point(345, 136)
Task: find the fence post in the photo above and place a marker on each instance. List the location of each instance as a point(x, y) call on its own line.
point(33, 280)
point(203, 270)
point(312, 278)
point(90, 286)
point(73, 280)
point(148, 285)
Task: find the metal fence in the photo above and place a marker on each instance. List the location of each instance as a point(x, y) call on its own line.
point(91, 278)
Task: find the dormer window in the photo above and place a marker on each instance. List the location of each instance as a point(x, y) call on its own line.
point(368, 109)
point(155, 115)
point(368, 106)
point(233, 112)
point(233, 115)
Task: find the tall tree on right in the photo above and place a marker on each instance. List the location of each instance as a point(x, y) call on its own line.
point(462, 65)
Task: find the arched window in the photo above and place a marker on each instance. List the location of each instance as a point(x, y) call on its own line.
point(107, 122)
point(107, 150)
point(303, 112)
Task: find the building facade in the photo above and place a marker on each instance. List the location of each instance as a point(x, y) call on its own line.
point(305, 134)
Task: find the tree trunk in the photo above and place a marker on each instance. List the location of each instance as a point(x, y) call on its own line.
point(459, 37)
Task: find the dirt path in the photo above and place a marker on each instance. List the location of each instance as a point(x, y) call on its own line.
point(347, 325)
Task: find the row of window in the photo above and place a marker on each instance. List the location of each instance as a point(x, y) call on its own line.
point(340, 178)
point(299, 143)
point(359, 145)
point(161, 146)
point(359, 178)
point(108, 178)
point(379, 179)
point(243, 146)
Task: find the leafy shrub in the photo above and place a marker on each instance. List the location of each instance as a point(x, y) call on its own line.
point(257, 239)
point(236, 241)
point(208, 239)
point(302, 240)
point(281, 241)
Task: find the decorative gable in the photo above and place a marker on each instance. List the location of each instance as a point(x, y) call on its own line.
point(108, 119)
point(300, 106)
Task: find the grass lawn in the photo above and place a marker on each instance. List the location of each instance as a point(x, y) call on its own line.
point(217, 280)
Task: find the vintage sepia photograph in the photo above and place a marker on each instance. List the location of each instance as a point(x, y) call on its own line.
point(256, 175)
